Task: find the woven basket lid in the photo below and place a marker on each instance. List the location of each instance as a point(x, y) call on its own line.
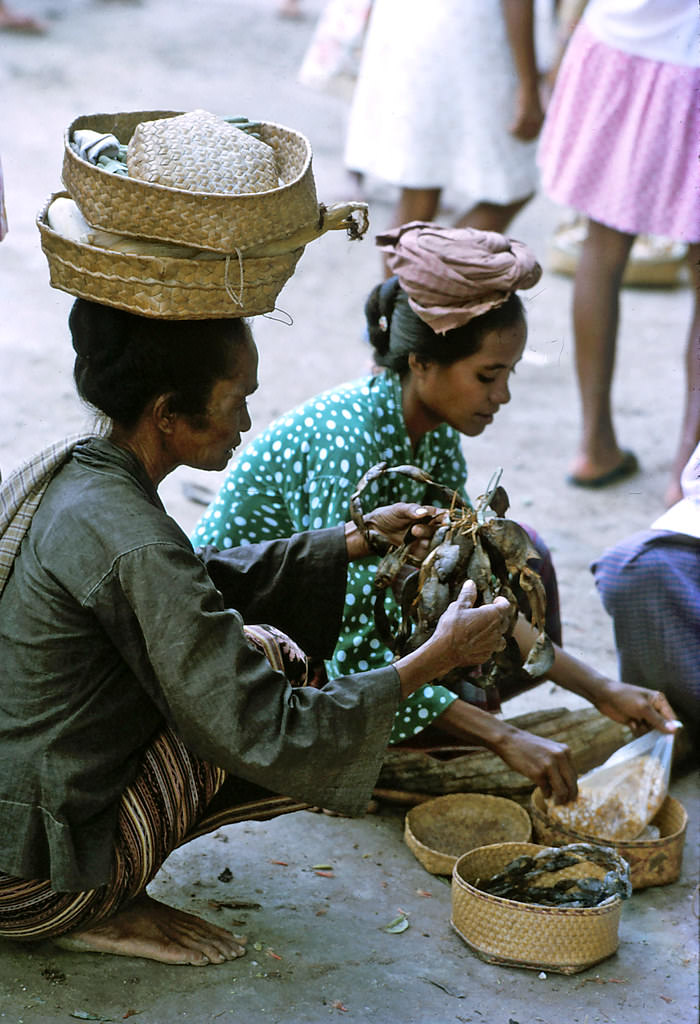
point(200, 152)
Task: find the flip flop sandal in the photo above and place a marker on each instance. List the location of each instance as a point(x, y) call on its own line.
point(627, 467)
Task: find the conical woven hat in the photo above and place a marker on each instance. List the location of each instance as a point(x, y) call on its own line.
point(201, 153)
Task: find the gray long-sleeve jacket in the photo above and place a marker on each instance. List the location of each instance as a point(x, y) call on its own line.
point(110, 625)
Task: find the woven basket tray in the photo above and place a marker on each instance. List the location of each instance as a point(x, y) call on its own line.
point(205, 220)
point(501, 931)
point(651, 861)
point(441, 830)
point(170, 289)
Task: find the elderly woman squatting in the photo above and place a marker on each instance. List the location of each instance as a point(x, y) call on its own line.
point(136, 710)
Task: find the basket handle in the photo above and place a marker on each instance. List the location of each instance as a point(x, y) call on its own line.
point(352, 216)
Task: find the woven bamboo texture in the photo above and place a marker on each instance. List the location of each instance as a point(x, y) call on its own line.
point(501, 931)
point(651, 861)
point(169, 289)
point(441, 830)
point(201, 153)
point(205, 220)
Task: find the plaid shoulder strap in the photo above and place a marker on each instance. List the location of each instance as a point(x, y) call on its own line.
point(20, 495)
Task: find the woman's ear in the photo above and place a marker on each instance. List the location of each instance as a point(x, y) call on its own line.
point(417, 364)
point(162, 414)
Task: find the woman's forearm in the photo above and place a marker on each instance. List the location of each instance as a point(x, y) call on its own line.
point(567, 671)
point(519, 18)
point(425, 665)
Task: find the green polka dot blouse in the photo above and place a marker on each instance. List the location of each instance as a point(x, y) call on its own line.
point(299, 475)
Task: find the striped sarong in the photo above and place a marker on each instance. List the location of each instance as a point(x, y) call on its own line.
point(174, 798)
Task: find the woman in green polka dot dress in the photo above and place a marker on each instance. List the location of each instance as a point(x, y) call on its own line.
point(300, 473)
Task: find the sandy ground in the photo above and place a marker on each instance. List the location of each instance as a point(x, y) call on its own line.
point(237, 57)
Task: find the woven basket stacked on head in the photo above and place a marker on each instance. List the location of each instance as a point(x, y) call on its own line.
point(242, 202)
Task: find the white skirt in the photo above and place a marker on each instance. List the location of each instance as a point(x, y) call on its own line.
point(434, 98)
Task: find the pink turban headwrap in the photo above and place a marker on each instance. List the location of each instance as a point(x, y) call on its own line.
point(451, 275)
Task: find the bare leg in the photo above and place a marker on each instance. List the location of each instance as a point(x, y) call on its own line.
point(146, 928)
point(492, 216)
point(414, 204)
point(596, 313)
point(10, 21)
point(690, 427)
point(290, 9)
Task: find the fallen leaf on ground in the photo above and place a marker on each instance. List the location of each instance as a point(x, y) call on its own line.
point(423, 892)
point(282, 863)
point(325, 874)
point(234, 905)
point(449, 991)
point(399, 924)
point(337, 1005)
point(322, 867)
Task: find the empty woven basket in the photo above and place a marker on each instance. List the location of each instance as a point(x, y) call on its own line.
point(441, 830)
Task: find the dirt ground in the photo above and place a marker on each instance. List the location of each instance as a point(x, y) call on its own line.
point(318, 950)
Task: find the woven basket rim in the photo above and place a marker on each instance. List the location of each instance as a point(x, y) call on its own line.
point(515, 905)
point(459, 798)
point(636, 844)
point(160, 282)
point(171, 189)
point(45, 227)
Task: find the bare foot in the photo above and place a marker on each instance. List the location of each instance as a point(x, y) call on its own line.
point(290, 9)
point(155, 931)
point(673, 493)
point(11, 22)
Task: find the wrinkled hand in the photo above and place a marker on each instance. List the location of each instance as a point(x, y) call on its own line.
point(637, 707)
point(546, 762)
point(393, 523)
point(473, 634)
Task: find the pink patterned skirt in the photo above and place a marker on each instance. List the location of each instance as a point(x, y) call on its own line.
point(620, 140)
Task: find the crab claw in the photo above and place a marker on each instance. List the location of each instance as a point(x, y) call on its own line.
point(541, 657)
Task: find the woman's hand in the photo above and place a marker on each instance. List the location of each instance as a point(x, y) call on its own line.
point(529, 115)
point(392, 523)
point(546, 762)
point(471, 635)
point(637, 707)
point(463, 636)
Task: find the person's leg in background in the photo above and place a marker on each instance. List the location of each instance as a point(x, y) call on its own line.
point(596, 315)
point(690, 427)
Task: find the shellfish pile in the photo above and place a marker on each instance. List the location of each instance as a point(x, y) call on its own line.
point(472, 543)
